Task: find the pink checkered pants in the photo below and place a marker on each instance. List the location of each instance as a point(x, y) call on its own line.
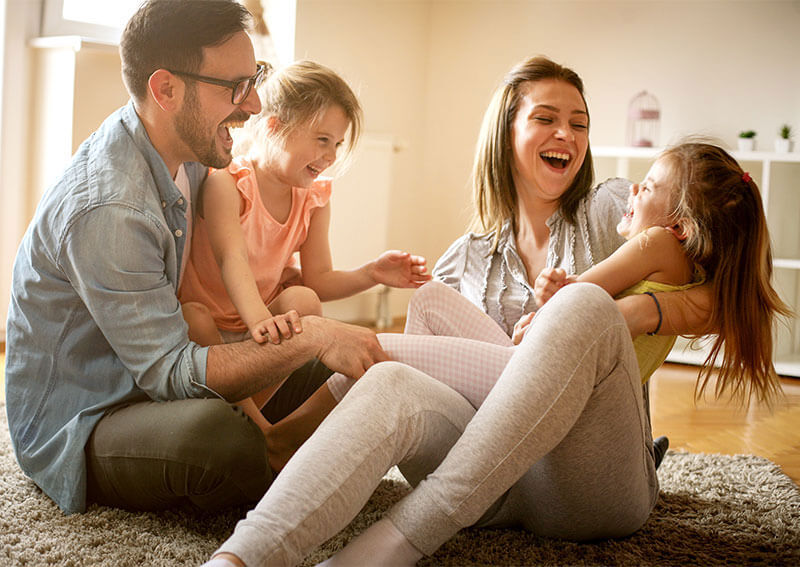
point(448, 338)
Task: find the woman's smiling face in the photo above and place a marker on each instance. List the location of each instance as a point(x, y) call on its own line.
point(549, 139)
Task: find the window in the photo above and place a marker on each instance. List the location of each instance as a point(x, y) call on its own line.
point(101, 20)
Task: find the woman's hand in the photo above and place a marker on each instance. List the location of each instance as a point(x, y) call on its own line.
point(277, 327)
point(399, 269)
point(521, 327)
point(548, 282)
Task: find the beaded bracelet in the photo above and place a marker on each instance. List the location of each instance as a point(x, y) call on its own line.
point(660, 316)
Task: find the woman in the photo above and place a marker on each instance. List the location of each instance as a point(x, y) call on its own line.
point(561, 445)
point(532, 184)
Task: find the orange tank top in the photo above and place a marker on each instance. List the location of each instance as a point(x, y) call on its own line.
point(271, 246)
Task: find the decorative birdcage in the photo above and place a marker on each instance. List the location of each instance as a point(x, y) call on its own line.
point(644, 115)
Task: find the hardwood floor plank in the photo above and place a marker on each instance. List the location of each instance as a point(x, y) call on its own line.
point(716, 426)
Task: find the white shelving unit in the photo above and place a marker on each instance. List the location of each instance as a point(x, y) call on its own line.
point(778, 178)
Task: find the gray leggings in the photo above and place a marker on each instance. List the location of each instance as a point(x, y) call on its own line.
point(560, 446)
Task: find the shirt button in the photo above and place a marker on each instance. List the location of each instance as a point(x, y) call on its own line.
point(179, 233)
point(180, 201)
point(163, 204)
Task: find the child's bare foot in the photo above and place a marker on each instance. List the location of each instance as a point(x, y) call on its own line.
point(280, 445)
point(285, 437)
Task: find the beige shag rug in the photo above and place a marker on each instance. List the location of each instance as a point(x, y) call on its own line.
point(713, 510)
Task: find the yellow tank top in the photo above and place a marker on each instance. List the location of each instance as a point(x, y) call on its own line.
point(651, 351)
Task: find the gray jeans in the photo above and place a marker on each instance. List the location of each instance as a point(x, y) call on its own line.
point(204, 453)
point(560, 446)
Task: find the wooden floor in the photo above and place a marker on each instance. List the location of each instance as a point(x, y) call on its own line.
point(718, 427)
point(708, 426)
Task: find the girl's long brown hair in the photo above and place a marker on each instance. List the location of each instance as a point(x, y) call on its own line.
point(494, 194)
point(721, 212)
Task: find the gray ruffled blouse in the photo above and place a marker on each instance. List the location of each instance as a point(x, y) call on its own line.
point(496, 281)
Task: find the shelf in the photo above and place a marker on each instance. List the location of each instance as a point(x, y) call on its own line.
point(785, 365)
point(790, 157)
point(788, 366)
point(652, 153)
point(625, 152)
point(786, 263)
point(683, 353)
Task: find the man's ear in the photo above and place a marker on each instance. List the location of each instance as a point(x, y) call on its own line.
point(166, 90)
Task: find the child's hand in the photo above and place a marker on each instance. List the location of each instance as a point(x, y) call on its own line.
point(549, 281)
point(277, 327)
point(400, 269)
point(521, 327)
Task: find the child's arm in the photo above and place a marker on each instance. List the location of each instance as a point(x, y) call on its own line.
point(394, 268)
point(685, 312)
point(221, 206)
point(654, 254)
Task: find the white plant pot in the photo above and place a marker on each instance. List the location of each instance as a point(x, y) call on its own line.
point(783, 146)
point(747, 144)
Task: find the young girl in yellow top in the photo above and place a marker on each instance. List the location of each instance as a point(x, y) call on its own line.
point(240, 279)
point(696, 217)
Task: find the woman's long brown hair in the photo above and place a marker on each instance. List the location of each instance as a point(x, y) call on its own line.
point(494, 194)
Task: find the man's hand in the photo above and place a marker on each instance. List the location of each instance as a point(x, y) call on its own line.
point(548, 282)
point(344, 348)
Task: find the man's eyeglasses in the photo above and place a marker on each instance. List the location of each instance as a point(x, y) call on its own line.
point(239, 89)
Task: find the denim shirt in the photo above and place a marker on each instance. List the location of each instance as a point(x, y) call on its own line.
point(497, 282)
point(94, 319)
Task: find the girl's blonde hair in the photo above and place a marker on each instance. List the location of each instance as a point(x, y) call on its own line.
point(295, 95)
point(494, 194)
point(720, 211)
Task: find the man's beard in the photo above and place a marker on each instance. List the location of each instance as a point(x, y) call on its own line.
point(189, 126)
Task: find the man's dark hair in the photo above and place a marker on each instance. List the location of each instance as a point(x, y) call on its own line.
point(171, 34)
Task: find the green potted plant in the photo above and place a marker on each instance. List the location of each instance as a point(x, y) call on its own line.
point(747, 140)
point(784, 143)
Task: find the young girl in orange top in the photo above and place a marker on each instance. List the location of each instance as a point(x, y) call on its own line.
point(271, 203)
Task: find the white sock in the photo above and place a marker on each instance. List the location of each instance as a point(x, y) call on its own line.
point(380, 544)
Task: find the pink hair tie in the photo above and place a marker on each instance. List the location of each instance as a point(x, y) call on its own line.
point(746, 177)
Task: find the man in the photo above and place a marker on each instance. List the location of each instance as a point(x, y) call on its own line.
point(108, 401)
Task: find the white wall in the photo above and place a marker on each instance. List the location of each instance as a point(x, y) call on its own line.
point(381, 49)
point(426, 70)
point(19, 22)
